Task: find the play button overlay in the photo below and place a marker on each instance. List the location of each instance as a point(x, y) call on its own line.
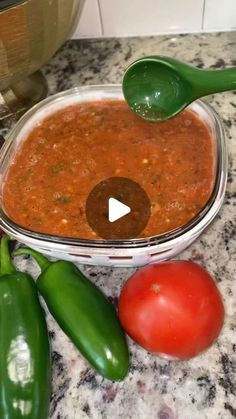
point(118, 208)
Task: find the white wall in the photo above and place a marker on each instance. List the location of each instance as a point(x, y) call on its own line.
point(112, 18)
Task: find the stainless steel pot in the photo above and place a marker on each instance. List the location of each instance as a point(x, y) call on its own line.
point(31, 31)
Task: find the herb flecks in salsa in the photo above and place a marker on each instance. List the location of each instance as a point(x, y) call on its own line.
point(57, 168)
point(74, 149)
point(63, 199)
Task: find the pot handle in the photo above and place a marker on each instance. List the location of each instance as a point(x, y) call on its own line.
point(18, 98)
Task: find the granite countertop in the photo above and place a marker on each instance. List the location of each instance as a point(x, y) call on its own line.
point(204, 387)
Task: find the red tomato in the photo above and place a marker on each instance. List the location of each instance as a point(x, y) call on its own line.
point(173, 309)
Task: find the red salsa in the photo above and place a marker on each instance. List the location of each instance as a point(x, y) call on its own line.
point(77, 147)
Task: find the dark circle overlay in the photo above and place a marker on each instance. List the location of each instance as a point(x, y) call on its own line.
point(128, 193)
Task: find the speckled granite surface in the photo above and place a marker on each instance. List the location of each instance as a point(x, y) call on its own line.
point(205, 387)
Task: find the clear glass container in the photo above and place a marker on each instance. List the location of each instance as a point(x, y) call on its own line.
point(133, 252)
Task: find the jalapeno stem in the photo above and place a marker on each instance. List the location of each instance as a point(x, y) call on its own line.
point(6, 264)
point(42, 261)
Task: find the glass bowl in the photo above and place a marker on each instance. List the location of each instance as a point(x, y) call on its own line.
point(133, 252)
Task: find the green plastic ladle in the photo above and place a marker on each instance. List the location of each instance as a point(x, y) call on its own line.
point(157, 88)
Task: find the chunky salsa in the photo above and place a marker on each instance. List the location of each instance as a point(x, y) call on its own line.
point(75, 148)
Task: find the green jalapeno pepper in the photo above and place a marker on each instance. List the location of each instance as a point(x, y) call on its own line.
point(84, 314)
point(25, 363)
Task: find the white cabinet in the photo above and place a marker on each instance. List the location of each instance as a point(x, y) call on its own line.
point(112, 18)
point(150, 17)
point(90, 22)
point(220, 15)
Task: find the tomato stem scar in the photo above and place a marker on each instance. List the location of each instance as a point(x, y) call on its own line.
point(155, 287)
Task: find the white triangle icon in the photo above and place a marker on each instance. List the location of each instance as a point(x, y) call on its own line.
point(116, 210)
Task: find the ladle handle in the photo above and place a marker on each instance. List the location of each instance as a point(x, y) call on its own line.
point(213, 81)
